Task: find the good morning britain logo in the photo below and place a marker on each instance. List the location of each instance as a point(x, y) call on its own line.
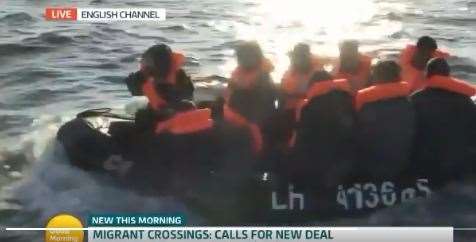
point(104, 14)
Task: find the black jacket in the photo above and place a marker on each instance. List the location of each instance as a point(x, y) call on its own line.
point(385, 135)
point(182, 90)
point(256, 104)
point(323, 151)
point(446, 134)
point(175, 95)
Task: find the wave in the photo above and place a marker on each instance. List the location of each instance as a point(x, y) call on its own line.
point(27, 76)
point(42, 96)
point(8, 122)
point(156, 38)
point(463, 67)
point(51, 185)
point(112, 33)
point(400, 35)
point(394, 16)
point(50, 38)
point(108, 66)
point(179, 28)
point(96, 2)
point(104, 66)
point(452, 21)
point(228, 44)
point(9, 50)
point(130, 58)
point(112, 79)
point(17, 18)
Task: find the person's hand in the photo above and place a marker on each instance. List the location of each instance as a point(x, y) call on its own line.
point(134, 83)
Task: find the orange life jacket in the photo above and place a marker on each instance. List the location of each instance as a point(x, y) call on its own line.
point(416, 78)
point(292, 81)
point(381, 92)
point(186, 122)
point(148, 88)
point(155, 100)
point(319, 89)
point(359, 79)
point(238, 120)
point(451, 84)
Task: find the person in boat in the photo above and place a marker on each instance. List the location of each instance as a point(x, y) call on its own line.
point(385, 124)
point(413, 60)
point(323, 143)
point(353, 65)
point(168, 90)
point(294, 84)
point(295, 80)
point(250, 96)
point(165, 84)
point(177, 125)
point(149, 152)
point(445, 145)
point(162, 80)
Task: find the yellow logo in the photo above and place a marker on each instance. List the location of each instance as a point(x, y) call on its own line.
point(64, 221)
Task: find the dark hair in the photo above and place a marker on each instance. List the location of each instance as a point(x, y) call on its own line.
point(301, 49)
point(387, 71)
point(438, 66)
point(349, 56)
point(157, 61)
point(249, 54)
point(349, 45)
point(319, 76)
point(301, 57)
point(427, 43)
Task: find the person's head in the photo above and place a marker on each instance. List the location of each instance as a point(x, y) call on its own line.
point(386, 71)
point(426, 44)
point(249, 54)
point(301, 57)
point(425, 48)
point(349, 56)
point(349, 48)
point(437, 66)
point(157, 61)
point(320, 76)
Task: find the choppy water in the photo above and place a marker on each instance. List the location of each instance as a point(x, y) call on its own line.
point(51, 70)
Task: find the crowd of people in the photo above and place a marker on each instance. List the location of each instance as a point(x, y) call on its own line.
point(408, 116)
point(397, 114)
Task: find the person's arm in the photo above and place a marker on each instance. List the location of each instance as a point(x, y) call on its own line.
point(185, 84)
point(134, 83)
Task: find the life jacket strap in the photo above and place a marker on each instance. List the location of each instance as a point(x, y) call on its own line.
point(238, 120)
point(452, 84)
point(155, 100)
point(381, 92)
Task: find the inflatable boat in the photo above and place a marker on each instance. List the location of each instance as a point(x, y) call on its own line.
point(223, 184)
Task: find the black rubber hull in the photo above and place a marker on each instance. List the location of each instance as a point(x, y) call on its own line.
point(228, 196)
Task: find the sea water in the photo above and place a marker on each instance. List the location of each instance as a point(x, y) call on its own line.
point(51, 70)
